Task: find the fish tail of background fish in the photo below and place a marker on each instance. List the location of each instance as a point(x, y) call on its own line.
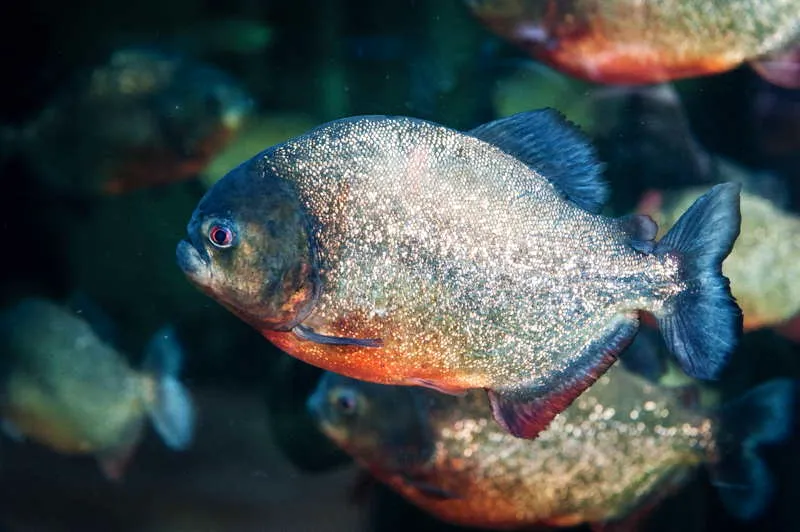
point(702, 324)
point(766, 415)
point(169, 403)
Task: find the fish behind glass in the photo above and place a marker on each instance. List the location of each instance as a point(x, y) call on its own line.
point(399, 251)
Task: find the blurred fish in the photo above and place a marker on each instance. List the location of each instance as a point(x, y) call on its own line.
point(644, 136)
point(621, 448)
point(143, 118)
point(763, 266)
point(629, 42)
point(65, 388)
point(776, 128)
point(259, 131)
point(399, 251)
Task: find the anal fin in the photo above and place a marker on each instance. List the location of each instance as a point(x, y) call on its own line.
point(526, 411)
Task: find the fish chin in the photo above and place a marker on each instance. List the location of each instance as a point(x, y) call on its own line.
point(194, 266)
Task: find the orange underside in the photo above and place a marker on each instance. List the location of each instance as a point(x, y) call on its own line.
point(583, 49)
point(388, 364)
point(592, 58)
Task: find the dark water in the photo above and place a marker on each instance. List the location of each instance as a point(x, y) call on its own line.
point(257, 462)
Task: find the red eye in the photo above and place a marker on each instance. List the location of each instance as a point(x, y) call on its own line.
point(220, 236)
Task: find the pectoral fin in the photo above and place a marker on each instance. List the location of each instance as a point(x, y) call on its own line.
point(306, 333)
point(525, 411)
point(429, 490)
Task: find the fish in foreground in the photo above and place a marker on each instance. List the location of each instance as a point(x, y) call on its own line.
point(762, 267)
point(142, 118)
point(63, 387)
point(630, 42)
point(399, 251)
point(616, 452)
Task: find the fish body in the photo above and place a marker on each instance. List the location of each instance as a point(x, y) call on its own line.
point(142, 118)
point(399, 251)
point(631, 42)
point(762, 267)
point(65, 388)
point(622, 446)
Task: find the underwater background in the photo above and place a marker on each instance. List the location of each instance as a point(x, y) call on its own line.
point(257, 461)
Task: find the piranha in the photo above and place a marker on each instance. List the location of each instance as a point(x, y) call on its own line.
point(142, 118)
point(399, 251)
point(630, 42)
point(762, 267)
point(622, 447)
point(64, 387)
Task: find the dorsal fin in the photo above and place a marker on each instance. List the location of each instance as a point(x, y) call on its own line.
point(555, 148)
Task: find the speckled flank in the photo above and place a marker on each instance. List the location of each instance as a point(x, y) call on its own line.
point(763, 266)
point(623, 442)
point(630, 41)
point(468, 265)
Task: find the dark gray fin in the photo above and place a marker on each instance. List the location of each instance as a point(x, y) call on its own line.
point(12, 431)
point(306, 333)
point(525, 412)
point(362, 488)
point(429, 490)
point(642, 231)
point(88, 310)
point(644, 356)
point(766, 415)
point(172, 410)
point(702, 324)
point(555, 148)
point(456, 392)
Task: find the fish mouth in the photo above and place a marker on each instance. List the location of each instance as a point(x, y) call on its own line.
point(193, 263)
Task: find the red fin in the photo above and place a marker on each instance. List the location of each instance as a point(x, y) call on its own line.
point(114, 464)
point(528, 411)
point(781, 69)
point(790, 329)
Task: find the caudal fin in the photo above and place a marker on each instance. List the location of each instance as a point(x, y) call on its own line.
point(171, 409)
point(765, 415)
point(702, 324)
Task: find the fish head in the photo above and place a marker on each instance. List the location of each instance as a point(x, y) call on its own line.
point(381, 425)
point(202, 110)
point(249, 247)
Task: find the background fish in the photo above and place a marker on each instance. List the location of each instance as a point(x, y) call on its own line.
point(632, 42)
point(399, 251)
point(62, 386)
point(144, 117)
point(620, 448)
point(762, 267)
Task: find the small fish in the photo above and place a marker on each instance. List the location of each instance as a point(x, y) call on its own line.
point(142, 118)
point(763, 266)
point(65, 388)
point(399, 251)
point(619, 449)
point(630, 42)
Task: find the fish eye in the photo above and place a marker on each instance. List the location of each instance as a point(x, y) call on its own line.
point(220, 236)
point(345, 401)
